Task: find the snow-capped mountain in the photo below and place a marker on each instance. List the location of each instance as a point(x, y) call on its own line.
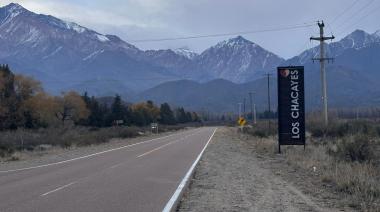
point(57, 52)
point(22, 28)
point(357, 40)
point(186, 52)
point(238, 60)
point(65, 55)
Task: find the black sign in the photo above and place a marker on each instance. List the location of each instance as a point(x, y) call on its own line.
point(291, 105)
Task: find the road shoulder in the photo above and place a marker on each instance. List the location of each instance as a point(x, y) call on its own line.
point(232, 176)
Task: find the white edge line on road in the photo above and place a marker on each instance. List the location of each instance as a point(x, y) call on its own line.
point(57, 189)
point(170, 204)
point(87, 156)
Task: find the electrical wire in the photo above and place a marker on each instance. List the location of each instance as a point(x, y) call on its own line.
point(360, 19)
point(344, 11)
point(222, 34)
point(347, 21)
point(103, 80)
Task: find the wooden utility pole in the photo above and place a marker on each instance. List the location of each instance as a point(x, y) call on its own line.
point(269, 110)
point(239, 109)
point(322, 58)
point(253, 108)
point(244, 108)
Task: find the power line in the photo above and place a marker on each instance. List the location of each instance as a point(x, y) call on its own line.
point(107, 80)
point(346, 21)
point(344, 11)
point(360, 19)
point(305, 25)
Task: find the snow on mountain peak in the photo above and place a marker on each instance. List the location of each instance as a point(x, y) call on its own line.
point(186, 52)
point(236, 41)
point(377, 33)
point(75, 27)
point(14, 7)
point(102, 38)
point(357, 39)
point(11, 11)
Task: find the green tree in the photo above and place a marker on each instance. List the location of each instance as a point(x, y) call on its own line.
point(97, 113)
point(181, 115)
point(9, 105)
point(166, 115)
point(119, 111)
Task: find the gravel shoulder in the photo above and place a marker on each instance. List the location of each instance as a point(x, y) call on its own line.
point(232, 176)
point(56, 154)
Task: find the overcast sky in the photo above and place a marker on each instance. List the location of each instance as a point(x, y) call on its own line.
point(154, 19)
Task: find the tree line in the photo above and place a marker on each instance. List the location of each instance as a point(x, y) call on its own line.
point(24, 103)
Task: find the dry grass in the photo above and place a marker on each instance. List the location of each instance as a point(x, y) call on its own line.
point(12, 142)
point(346, 157)
point(359, 182)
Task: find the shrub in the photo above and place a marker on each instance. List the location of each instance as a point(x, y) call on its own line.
point(343, 128)
point(355, 148)
point(261, 130)
point(128, 132)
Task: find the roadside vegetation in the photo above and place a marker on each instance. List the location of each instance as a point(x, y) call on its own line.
point(31, 119)
point(345, 156)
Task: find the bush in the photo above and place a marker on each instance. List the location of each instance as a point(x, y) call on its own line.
point(261, 130)
point(128, 132)
point(344, 128)
point(355, 148)
point(11, 141)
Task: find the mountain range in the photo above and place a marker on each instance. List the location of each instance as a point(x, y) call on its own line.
point(67, 56)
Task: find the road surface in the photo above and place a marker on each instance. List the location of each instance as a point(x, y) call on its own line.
point(139, 177)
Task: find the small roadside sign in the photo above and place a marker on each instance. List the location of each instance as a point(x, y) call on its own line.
point(242, 121)
point(118, 122)
point(154, 127)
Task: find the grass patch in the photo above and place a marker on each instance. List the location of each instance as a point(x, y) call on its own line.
point(262, 129)
point(346, 156)
point(41, 139)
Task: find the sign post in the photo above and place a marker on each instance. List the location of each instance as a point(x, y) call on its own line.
point(291, 106)
point(154, 127)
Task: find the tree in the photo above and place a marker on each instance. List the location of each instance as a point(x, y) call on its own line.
point(70, 106)
point(97, 113)
point(41, 110)
point(26, 87)
point(181, 115)
point(166, 115)
point(9, 105)
point(119, 111)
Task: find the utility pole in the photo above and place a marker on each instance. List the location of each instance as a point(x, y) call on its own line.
point(269, 111)
point(239, 109)
point(253, 108)
point(322, 58)
point(244, 108)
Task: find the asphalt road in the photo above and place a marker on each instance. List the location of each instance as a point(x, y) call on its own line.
point(141, 177)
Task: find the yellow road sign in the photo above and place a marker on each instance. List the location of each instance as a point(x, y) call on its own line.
point(242, 121)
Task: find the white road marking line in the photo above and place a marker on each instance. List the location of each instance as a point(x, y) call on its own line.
point(160, 147)
point(114, 166)
point(146, 153)
point(57, 189)
point(87, 156)
point(170, 204)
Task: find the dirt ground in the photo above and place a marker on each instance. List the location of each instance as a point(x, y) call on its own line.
point(232, 176)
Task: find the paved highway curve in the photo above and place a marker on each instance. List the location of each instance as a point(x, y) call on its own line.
point(140, 177)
